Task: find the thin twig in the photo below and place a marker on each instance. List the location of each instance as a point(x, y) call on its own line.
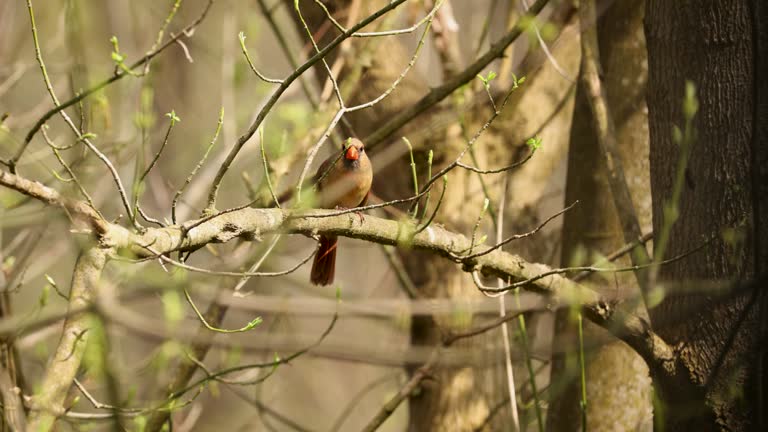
point(68, 120)
point(552, 60)
point(287, 51)
point(139, 182)
point(250, 325)
point(439, 93)
point(272, 364)
point(213, 192)
point(363, 208)
point(437, 206)
point(502, 315)
point(71, 173)
point(343, 110)
point(230, 273)
point(474, 139)
point(241, 38)
point(497, 170)
point(197, 167)
point(519, 236)
point(327, 68)
point(588, 269)
point(187, 31)
point(266, 168)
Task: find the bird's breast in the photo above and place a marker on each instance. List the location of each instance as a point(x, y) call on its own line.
point(346, 187)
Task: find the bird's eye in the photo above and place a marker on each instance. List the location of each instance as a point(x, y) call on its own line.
point(362, 149)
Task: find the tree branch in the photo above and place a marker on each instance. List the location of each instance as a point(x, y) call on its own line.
point(52, 197)
point(439, 93)
point(47, 404)
point(13, 409)
point(589, 79)
point(252, 223)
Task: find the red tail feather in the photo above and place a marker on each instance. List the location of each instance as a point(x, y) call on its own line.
point(324, 265)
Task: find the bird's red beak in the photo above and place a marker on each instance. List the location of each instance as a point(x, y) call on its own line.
point(352, 153)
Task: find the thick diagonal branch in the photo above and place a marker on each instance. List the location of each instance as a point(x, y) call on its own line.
point(603, 124)
point(76, 209)
point(48, 403)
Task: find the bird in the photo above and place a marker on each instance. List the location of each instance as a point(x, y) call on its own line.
point(343, 182)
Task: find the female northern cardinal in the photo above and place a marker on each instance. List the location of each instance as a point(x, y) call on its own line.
point(343, 181)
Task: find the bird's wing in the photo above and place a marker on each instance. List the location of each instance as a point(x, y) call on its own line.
point(364, 202)
point(321, 171)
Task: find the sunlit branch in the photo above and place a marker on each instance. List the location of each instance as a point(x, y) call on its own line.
point(47, 404)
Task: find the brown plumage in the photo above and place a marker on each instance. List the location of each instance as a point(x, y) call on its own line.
point(344, 181)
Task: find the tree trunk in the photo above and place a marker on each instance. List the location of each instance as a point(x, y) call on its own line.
point(717, 45)
point(616, 376)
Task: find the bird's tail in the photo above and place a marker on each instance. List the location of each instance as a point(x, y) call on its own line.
point(324, 265)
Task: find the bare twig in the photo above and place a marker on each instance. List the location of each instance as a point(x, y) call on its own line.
point(281, 40)
point(197, 167)
point(230, 273)
point(497, 170)
point(519, 236)
point(187, 31)
point(503, 315)
point(71, 173)
point(278, 93)
point(439, 93)
point(412, 385)
point(344, 110)
point(590, 269)
point(473, 140)
point(555, 65)
point(78, 133)
point(261, 76)
point(272, 364)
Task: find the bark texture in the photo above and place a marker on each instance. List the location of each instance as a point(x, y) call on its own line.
point(617, 378)
point(719, 47)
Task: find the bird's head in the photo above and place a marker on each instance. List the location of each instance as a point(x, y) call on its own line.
point(353, 151)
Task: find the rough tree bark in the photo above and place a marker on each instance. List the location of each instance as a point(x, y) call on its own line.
point(720, 47)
